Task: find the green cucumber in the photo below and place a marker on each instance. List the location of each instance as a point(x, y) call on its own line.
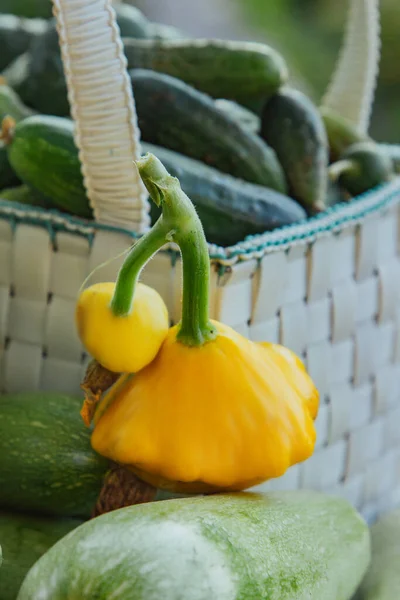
point(176, 116)
point(287, 546)
point(23, 195)
point(341, 132)
point(47, 464)
point(362, 167)
point(38, 76)
point(393, 151)
point(242, 115)
point(12, 106)
point(242, 71)
point(293, 127)
point(229, 209)
point(16, 36)
point(131, 21)
point(27, 8)
point(25, 539)
point(42, 152)
point(382, 581)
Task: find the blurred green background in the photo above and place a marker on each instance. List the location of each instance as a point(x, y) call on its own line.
point(307, 32)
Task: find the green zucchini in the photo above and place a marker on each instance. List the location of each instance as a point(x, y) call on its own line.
point(42, 152)
point(341, 132)
point(287, 546)
point(25, 539)
point(242, 71)
point(229, 209)
point(12, 106)
point(22, 194)
point(362, 167)
point(27, 8)
point(47, 464)
point(176, 116)
point(382, 581)
point(292, 126)
point(16, 36)
point(393, 151)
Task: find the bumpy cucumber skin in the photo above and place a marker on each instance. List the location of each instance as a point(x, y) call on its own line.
point(176, 116)
point(240, 71)
point(372, 167)
point(341, 132)
point(47, 465)
point(291, 546)
point(229, 209)
point(25, 539)
point(44, 156)
point(16, 36)
point(292, 126)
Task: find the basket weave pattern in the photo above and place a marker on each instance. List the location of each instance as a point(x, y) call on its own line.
point(334, 300)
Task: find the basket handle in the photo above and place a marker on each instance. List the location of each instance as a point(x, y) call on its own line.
point(352, 87)
point(103, 110)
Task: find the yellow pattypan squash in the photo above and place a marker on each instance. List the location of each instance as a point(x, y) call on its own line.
point(213, 410)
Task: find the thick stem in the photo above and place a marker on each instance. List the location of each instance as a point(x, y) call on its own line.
point(156, 238)
point(185, 229)
point(345, 165)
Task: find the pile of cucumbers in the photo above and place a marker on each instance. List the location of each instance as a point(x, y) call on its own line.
point(252, 152)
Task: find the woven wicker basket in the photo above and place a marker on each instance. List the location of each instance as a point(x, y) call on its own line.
point(328, 288)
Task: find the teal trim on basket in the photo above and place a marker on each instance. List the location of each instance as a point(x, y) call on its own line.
point(332, 221)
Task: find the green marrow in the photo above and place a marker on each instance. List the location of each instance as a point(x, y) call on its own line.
point(47, 465)
point(362, 167)
point(42, 152)
point(341, 132)
point(288, 546)
point(242, 71)
point(16, 36)
point(176, 116)
point(229, 209)
point(293, 127)
point(393, 152)
point(382, 581)
point(25, 539)
point(12, 106)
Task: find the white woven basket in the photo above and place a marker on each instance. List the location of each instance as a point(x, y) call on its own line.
point(328, 288)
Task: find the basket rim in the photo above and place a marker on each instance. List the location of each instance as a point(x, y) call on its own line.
point(332, 221)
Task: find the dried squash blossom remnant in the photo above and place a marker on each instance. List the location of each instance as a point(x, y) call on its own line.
point(213, 411)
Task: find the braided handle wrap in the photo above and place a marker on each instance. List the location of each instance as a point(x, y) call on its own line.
point(352, 87)
point(103, 109)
